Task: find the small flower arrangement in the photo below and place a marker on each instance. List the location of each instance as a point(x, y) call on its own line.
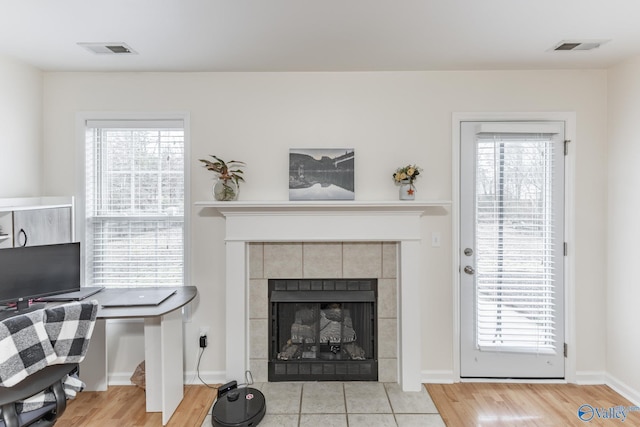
point(407, 173)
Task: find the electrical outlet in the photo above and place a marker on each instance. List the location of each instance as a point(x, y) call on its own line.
point(204, 330)
point(202, 341)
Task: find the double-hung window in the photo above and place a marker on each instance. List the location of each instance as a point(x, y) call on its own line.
point(134, 203)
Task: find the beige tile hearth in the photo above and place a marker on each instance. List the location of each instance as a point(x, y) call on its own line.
point(324, 420)
point(282, 398)
point(345, 404)
point(323, 398)
point(366, 398)
point(388, 370)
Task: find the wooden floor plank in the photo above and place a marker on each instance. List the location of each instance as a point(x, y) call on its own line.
point(124, 406)
point(535, 405)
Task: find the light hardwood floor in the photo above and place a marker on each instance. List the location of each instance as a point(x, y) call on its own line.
point(553, 405)
point(124, 406)
point(460, 405)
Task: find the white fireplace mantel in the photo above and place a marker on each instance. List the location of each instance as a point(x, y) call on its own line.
point(353, 221)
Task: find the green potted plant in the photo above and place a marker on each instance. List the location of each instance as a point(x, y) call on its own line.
point(229, 176)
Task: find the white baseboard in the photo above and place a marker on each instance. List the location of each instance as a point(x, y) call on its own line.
point(209, 377)
point(623, 389)
point(427, 376)
point(190, 378)
point(590, 377)
point(437, 377)
point(447, 377)
point(119, 378)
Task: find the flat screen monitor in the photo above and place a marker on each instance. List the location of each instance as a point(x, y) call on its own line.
point(31, 272)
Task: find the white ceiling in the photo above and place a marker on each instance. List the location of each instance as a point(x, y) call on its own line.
point(318, 35)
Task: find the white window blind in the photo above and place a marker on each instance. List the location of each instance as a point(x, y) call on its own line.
point(134, 203)
point(517, 242)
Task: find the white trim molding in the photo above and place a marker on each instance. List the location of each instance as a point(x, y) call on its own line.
point(623, 389)
point(207, 377)
point(590, 377)
point(438, 377)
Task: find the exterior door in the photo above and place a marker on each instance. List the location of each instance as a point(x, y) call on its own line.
point(512, 250)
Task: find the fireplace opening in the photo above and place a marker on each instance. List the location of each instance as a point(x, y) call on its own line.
point(323, 330)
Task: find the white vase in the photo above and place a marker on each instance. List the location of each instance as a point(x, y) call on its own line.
point(225, 190)
point(407, 190)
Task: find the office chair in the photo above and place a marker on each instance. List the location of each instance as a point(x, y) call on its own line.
point(39, 356)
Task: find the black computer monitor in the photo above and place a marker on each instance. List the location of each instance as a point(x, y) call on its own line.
point(31, 272)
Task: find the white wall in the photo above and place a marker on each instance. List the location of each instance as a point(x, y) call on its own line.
point(623, 292)
point(390, 118)
point(20, 129)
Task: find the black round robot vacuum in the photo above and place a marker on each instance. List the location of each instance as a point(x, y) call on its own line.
point(240, 407)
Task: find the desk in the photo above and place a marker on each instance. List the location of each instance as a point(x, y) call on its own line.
point(163, 348)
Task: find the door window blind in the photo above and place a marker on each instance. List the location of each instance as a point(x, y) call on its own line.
point(517, 242)
point(134, 203)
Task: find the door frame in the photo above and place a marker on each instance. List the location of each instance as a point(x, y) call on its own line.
point(569, 231)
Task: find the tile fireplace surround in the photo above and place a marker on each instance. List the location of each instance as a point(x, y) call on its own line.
point(253, 226)
point(326, 261)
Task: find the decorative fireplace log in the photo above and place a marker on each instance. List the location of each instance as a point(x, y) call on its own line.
point(354, 351)
point(336, 326)
point(290, 351)
point(303, 333)
point(336, 331)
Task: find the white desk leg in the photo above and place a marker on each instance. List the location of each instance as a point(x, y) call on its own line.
point(163, 363)
point(172, 364)
point(93, 369)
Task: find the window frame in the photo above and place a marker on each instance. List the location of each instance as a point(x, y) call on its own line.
point(80, 204)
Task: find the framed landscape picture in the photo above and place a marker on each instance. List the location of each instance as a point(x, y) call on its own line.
point(321, 174)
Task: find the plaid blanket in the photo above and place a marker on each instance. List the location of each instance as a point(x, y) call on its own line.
point(31, 341)
point(71, 385)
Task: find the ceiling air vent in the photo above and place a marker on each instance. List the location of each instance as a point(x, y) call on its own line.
point(578, 45)
point(109, 48)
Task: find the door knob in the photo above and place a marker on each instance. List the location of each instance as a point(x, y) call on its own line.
point(469, 270)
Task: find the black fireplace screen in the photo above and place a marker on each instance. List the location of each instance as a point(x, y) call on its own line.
point(323, 330)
